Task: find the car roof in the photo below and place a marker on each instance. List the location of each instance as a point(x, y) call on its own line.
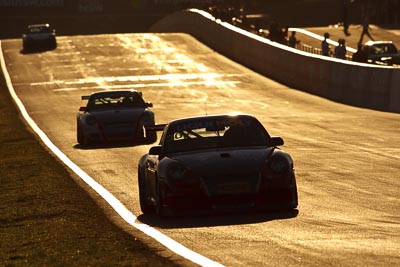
point(210, 117)
point(39, 25)
point(115, 91)
point(370, 43)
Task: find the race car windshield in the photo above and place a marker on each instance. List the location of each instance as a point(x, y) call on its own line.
point(214, 134)
point(113, 100)
point(385, 49)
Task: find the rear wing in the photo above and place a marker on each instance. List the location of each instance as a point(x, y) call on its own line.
point(85, 97)
point(155, 128)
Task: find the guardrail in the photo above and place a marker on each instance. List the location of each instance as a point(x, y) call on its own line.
point(314, 50)
point(358, 84)
point(310, 49)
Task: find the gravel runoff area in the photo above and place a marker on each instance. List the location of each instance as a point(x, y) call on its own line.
point(45, 218)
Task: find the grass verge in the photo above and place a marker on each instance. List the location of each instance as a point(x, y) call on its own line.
point(46, 219)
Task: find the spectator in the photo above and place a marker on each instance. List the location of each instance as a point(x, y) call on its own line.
point(325, 49)
point(340, 50)
point(274, 31)
point(365, 30)
point(345, 18)
point(277, 33)
point(292, 42)
point(361, 55)
point(284, 35)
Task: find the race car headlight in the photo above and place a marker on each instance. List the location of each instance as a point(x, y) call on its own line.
point(176, 171)
point(280, 163)
point(179, 175)
point(90, 120)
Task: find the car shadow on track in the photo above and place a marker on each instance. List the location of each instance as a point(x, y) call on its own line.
point(111, 145)
point(37, 50)
point(216, 219)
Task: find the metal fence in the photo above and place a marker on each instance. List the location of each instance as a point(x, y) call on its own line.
point(313, 50)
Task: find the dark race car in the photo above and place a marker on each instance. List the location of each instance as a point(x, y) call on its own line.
point(382, 53)
point(114, 116)
point(219, 163)
point(39, 36)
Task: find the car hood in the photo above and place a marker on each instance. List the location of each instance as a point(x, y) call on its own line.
point(117, 115)
point(225, 162)
point(228, 172)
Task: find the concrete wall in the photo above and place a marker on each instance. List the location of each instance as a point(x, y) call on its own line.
point(364, 85)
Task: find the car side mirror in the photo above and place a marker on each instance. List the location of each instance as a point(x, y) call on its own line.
point(277, 141)
point(155, 150)
point(149, 104)
point(83, 109)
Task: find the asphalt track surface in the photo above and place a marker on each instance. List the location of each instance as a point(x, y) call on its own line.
point(347, 159)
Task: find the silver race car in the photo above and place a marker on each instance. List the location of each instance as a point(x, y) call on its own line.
point(115, 116)
point(216, 163)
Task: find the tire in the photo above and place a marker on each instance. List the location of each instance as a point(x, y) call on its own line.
point(25, 46)
point(149, 137)
point(159, 204)
point(144, 206)
point(53, 44)
point(79, 135)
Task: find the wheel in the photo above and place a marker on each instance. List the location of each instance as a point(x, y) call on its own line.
point(144, 206)
point(149, 137)
point(25, 46)
point(142, 135)
point(53, 44)
point(79, 135)
point(159, 203)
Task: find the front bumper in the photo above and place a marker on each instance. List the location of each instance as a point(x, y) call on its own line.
point(197, 202)
point(37, 43)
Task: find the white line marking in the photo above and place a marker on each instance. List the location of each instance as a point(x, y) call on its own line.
point(128, 216)
point(140, 78)
point(143, 85)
